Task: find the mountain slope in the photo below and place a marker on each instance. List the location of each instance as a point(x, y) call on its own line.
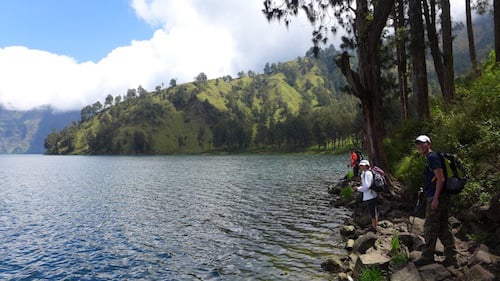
point(24, 131)
point(265, 111)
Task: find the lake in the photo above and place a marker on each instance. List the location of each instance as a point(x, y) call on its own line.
point(168, 217)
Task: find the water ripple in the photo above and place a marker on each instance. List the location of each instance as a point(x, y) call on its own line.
point(167, 218)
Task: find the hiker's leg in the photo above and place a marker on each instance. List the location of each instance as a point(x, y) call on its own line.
point(446, 234)
point(431, 230)
point(372, 209)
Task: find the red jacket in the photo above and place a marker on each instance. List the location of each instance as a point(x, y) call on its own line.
point(354, 159)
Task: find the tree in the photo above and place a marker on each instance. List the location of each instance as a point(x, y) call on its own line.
point(141, 91)
point(173, 83)
point(443, 61)
point(267, 69)
point(365, 21)
point(319, 135)
point(96, 107)
point(139, 142)
point(51, 142)
point(131, 94)
point(86, 113)
point(118, 99)
point(401, 37)
point(496, 24)
point(470, 38)
point(201, 78)
point(447, 41)
point(108, 101)
point(417, 49)
point(481, 7)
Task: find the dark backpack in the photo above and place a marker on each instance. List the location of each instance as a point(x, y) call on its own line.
point(360, 156)
point(378, 183)
point(454, 173)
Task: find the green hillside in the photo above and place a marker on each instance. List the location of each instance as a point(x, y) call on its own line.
point(290, 108)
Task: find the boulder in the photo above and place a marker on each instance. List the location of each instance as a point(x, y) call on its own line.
point(407, 273)
point(434, 272)
point(364, 242)
point(348, 230)
point(349, 244)
point(479, 273)
point(332, 264)
point(483, 256)
point(411, 240)
point(371, 260)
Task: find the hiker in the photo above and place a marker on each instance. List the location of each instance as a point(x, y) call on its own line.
point(354, 162)
point(369, 195)
point(437, 208)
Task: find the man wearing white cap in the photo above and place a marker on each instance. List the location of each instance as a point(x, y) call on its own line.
point(436, 213)
point(369, 195)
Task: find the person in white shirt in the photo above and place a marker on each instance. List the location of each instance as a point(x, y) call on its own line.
point(369, 195)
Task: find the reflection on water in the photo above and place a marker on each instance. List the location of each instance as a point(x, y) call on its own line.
point(168, 217)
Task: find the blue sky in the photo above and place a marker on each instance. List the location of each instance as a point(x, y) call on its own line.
point(83, 29)
point(72, 53)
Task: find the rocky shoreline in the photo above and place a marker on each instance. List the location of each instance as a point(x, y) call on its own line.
point(398, 241)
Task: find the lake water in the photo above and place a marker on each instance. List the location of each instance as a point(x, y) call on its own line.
point(168, 217)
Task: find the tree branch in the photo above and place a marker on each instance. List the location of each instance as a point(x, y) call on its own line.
point(351, 76)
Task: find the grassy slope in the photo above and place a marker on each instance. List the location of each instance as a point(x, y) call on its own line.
point(177, 130)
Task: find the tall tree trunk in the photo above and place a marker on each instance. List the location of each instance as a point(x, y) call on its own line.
point(449, 71)
point(366, 83)
point(429, 10)
point(496, 24)
point(401, 57)
point(470, 36)
point(417, 49)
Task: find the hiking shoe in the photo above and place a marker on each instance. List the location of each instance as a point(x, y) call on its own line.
point(450, 262)
point(423, 261)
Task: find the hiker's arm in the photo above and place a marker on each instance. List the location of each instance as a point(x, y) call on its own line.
point(366, 182)
point(439, 187)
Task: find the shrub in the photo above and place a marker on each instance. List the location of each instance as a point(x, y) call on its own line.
point(347, 193)
point(350, 175)
point(470, 128)
point(371, 274)
point(398, 256)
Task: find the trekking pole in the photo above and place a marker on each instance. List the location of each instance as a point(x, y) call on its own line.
point(417, 207)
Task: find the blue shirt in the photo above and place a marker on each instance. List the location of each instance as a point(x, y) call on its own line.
point(433, 162)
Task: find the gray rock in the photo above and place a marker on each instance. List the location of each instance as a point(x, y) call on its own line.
point(408, 273)
point(364, 243)
point(333, 264)
point(434, 272)
point(370, 260)
point(479, 273)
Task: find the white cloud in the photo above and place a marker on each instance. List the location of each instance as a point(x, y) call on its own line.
point(192, 36)
point(31, 78)
point(217, 37)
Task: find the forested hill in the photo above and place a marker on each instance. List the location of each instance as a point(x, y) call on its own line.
point(290, 107)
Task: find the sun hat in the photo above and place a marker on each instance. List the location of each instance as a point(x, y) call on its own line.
point(364, 163)
point(422, 139)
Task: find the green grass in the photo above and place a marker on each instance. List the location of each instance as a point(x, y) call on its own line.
point(397, 254)
point(347, 193)
point(371, 274)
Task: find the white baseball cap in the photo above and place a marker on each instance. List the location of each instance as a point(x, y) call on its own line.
point(364, 163)
point(422, 139)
